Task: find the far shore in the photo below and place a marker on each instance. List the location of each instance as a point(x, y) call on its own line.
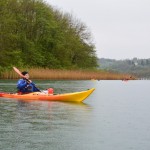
point(57, 74)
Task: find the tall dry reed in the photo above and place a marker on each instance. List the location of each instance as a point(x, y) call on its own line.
point(56, 74)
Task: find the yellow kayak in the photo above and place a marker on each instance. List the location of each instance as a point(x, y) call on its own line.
point(68, 97)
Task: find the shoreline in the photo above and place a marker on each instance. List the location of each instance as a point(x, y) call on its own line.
point(57, 74)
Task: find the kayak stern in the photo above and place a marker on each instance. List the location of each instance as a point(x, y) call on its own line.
point(67, 97)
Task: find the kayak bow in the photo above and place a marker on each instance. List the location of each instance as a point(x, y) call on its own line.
point(68, 97)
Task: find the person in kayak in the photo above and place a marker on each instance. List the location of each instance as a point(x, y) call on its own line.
point(25, 85)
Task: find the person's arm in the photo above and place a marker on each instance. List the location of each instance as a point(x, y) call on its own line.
point(21, 84)
point(34, 87)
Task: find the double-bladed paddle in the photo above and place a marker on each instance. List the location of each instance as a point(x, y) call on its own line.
point(21, 75)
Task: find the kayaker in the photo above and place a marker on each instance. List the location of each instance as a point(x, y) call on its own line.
point(25, 85)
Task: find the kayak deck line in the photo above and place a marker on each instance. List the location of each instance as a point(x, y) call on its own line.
point(68, 97)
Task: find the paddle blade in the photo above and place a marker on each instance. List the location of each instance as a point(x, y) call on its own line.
point(18, 71)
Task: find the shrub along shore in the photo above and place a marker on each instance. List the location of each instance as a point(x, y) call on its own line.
point(57, 74)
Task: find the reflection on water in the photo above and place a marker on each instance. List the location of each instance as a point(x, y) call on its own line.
point(114, 117)
point(32, 125)
point(43, 125)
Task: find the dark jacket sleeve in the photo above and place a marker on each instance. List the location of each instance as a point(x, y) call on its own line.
point(21, 84)
point(35, 89)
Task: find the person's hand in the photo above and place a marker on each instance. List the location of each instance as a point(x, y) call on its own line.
point(29, 81)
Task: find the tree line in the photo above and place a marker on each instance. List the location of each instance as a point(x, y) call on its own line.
point(34, 34)
point(135, 66)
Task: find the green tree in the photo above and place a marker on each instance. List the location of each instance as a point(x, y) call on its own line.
point(33, 33)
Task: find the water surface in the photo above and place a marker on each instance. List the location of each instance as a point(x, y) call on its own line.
point(115, 117)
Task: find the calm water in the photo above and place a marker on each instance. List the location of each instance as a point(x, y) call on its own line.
point(115, 117)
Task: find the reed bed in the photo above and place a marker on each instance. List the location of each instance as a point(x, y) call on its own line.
point(56, 74)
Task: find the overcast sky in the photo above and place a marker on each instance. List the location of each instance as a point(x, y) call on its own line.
point(120, 28)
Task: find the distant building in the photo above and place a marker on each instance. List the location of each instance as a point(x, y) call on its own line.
point(136, 63)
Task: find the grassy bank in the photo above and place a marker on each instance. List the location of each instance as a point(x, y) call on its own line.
point(55, 74)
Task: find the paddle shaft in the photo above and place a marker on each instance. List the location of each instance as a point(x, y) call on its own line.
point(19, 73)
